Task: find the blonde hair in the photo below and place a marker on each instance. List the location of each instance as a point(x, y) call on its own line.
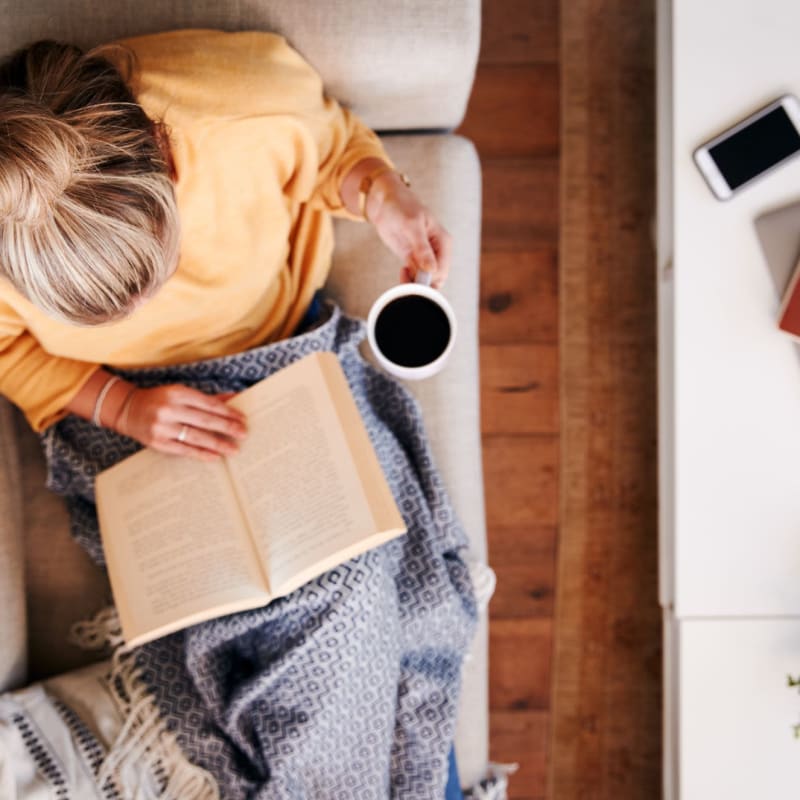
point(88, 219)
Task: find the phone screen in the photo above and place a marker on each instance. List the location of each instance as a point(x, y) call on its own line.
point(756, 148)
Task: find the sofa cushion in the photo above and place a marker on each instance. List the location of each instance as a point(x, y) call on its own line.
point(400, 66)
point(63, 584)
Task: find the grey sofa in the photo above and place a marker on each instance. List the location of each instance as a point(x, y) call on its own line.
point(407, 70)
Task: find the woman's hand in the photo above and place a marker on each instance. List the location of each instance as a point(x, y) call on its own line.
point(182, 421)
point(409, 229)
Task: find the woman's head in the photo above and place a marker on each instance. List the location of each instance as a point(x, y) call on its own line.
point(88, 220)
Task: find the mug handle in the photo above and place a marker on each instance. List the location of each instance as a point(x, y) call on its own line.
point(423, 277)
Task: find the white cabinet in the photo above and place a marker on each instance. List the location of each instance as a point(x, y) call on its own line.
point(736, 712)
point(729, 417)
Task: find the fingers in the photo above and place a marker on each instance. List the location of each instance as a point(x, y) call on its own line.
point(203, 425)
point(429, 249)
point(182, 421)
point(200, 442)
point(209, 421)
point(175, 448)
point(423, 258)
point(442, 244)
point(209, 403)
point(433, 255)
point(412, 232)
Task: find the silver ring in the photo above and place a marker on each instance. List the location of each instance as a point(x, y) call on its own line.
point(182, 434)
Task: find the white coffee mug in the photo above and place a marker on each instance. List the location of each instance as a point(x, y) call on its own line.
point(421, 287)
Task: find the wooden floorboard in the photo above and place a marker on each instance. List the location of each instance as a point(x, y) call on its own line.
point(521, 649)
point(520, 31)
point(606, 670)
point(519, 296)
point(562, 117)
point(524, 560)
point(519, 388)
point(513, 111)
point(520, 203)
point(513, 118)
point(522, 737)
point(521, 474)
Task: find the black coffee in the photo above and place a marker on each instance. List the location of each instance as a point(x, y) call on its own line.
point(412, 331)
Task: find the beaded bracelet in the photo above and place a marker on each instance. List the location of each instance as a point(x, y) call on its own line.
point(98, 405)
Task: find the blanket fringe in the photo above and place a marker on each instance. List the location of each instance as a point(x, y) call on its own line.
point(145, 761)
point(495, 785)
point(483, 579)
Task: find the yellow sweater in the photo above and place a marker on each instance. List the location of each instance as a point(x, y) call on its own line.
point(260, 155)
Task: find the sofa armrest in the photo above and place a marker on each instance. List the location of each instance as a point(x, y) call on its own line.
point(447, 176)
point(400, 66)
point(13, 618)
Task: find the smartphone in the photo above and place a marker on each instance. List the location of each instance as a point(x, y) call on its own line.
point(751, 148)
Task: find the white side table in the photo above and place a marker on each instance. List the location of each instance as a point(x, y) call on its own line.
point(729, 400)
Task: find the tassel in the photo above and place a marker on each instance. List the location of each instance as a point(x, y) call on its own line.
point(145, 761)
point(495, 785)
point(483, 581)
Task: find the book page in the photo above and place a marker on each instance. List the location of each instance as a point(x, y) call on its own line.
point(381, 501)
point(176, 543)
point(295, 475)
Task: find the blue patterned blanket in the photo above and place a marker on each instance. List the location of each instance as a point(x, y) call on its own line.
point(347, 688)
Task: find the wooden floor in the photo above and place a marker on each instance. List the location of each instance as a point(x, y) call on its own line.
point(604, 742)
point(513, 118)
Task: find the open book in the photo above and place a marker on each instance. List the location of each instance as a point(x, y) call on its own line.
point(187, 541)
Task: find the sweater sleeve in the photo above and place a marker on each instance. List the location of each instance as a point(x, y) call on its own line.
point(39, 383)
point(341, 138)
point(346, 142)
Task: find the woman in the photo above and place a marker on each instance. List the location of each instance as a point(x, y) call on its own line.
point(174, 212)
point(167, 200)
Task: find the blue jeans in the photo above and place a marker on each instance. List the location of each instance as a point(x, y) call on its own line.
point(453, 789)
point(312, 315)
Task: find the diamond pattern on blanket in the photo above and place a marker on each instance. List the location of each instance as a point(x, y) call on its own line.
point(348, 687)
